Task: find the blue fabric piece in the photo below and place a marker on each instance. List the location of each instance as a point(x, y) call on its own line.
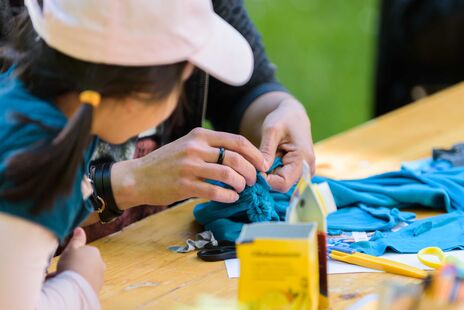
point(364, 218)
point(257, 203)
point(67, 212)
point(442, 190)
point(444, 231)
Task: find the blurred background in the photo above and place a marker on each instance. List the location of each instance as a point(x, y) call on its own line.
point(351, 60)
point(324, 52)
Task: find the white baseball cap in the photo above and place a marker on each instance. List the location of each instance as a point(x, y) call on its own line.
point(145, 33)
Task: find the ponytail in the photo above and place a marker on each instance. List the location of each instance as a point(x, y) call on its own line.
point(47, 171)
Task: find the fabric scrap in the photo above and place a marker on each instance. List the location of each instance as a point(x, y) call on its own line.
point(201, 240)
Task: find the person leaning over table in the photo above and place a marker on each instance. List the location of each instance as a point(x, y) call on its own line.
point(74, 72)
point(261, 111)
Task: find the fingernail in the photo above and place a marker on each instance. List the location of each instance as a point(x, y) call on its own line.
point(265, 165)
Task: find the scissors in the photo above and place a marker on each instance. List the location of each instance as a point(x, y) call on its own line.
point(439, 256)
point(222, 251)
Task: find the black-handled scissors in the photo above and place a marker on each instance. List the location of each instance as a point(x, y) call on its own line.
point(224, 250)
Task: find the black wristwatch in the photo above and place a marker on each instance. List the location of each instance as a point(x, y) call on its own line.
point(102, 197)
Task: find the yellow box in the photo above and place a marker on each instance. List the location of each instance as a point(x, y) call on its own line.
point(278, 266)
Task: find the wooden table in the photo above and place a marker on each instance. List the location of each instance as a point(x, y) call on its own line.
point(143, 274)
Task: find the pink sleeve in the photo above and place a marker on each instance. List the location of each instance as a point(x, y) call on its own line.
point(68, 290)
point(25, 255)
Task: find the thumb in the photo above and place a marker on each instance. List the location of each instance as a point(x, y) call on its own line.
point(269, 142)
point(78, 239)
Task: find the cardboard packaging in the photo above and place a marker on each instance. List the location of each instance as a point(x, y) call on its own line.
point(279, 266)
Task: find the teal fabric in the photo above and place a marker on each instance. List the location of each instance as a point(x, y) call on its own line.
point(363, 205)
point(257, 203)
point(364, 218)
point(67, 212)
point(442, 190)
point(444, 231)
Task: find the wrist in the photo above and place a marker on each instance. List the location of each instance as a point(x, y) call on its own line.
point(124, 183)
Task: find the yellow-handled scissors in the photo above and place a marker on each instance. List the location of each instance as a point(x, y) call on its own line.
point(440, 258)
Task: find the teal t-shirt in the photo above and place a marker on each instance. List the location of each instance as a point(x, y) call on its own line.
point(67, 212)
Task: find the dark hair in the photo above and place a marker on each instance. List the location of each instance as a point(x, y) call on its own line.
point(47, 170)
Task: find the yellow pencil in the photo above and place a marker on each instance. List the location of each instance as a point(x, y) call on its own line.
point(377, 263)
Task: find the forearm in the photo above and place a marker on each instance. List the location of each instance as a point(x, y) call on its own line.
point(252, 121)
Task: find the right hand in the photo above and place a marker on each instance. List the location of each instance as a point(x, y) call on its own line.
point(83, 259)
point(178, 170)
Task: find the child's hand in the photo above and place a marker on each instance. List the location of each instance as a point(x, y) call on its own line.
point(85, 260)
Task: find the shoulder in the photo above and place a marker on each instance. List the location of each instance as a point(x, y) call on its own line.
point(16, 103)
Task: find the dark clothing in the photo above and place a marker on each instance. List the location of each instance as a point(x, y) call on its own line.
point(420, 47)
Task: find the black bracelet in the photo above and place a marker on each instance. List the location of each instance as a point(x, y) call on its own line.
point(103, 198)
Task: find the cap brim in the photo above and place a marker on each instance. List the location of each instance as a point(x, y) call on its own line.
point(227, 55)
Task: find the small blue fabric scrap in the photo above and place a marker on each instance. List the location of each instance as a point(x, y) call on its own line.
point(444, 231)
point(257, 203)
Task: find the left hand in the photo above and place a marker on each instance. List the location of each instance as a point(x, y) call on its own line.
point(286, 132)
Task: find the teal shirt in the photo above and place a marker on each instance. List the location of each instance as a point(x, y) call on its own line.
point(67, 212)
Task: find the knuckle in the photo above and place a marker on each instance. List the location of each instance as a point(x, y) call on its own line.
point(241, 142)
point(191, 148)
point(185, 169)
point(213, 193)
point(242, 184)
point(233, 159)
point(272, 130)
point(226, 174)
point(197, 132)
point(183, 184)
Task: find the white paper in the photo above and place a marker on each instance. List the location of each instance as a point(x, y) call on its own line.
point(233, 268)
point(337, 267)
point(359, 236)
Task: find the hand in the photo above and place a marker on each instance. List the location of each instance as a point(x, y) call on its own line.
point(179, 169)
point(85, 260)
point(286, 131)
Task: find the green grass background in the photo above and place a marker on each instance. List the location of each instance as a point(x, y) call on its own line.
point(325, 53)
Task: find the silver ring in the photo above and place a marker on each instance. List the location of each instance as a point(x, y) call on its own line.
point(222, 154)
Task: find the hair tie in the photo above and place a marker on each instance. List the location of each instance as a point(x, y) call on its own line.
point(90, 97)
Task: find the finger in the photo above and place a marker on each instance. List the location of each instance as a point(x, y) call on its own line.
point(222, 174)
point(270, 140)
point(286, 176)
point(234, 143)
point(235, 161)
point(201, 189)
point(78, 239)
